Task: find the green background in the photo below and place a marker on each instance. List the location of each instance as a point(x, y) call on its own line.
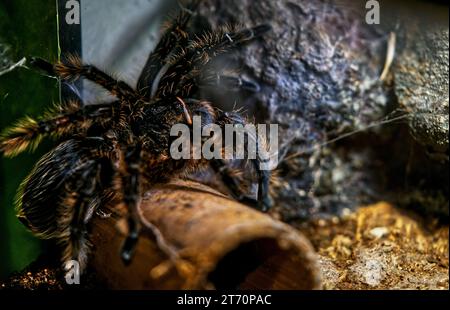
point(29, 28)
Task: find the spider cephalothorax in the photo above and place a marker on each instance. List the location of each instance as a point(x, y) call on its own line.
point(121, 148)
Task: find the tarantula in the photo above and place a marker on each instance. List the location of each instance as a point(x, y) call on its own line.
point(120, 149)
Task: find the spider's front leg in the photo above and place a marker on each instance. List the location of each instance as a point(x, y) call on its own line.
point(209, 116)
point(68, 119)
point(72, 68)
point(263, 201)
point(185, 71)
point(131, 188)
point(175, 36)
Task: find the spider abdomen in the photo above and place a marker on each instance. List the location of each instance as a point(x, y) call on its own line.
point(42, 198)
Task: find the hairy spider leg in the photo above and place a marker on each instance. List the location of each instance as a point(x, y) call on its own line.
point(174, 36)
point(64, 119)
point(186, 67)
point(131, 189)
point(72, 68)
point(229, 176)
point(75, 207)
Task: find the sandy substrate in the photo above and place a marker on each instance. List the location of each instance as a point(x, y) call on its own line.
point(381, 247)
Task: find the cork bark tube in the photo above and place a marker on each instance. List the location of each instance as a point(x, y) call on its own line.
point(196, 238)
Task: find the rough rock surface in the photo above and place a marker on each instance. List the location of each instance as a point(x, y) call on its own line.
point(319, 71)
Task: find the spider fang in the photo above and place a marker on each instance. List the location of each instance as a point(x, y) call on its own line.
point(185, 110)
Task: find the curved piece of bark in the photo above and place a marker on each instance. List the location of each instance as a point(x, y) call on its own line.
point(195, 237)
